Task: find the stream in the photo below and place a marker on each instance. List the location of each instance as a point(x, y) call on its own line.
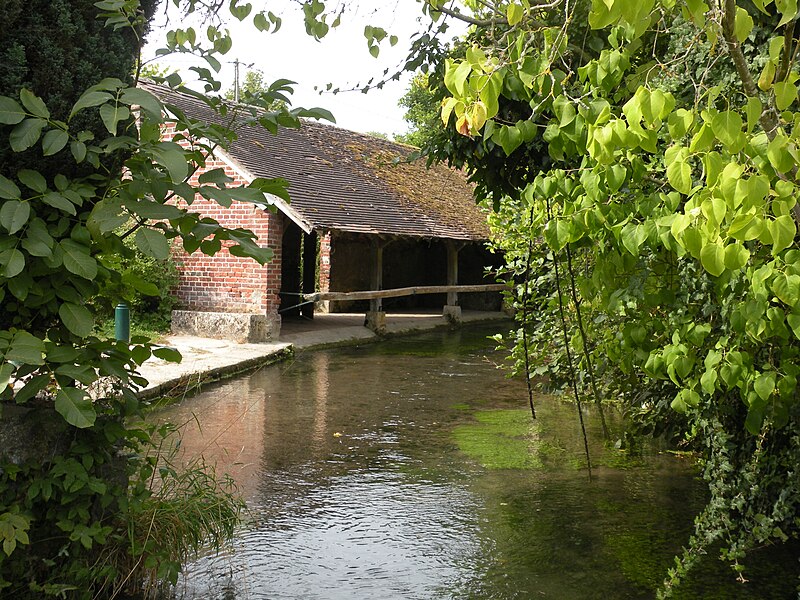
point(412, 469)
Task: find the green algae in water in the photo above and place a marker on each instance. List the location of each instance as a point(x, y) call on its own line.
point(501, 439)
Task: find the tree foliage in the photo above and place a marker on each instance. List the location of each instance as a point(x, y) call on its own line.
point(668, 197)
point(80, 181)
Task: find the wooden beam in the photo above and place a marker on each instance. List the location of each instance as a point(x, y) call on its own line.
point(376, 279)
point(452, 271)
point(407, 291)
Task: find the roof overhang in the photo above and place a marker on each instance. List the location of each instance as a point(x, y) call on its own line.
point(269, 199)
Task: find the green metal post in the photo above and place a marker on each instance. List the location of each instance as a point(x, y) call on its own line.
point(122, 323)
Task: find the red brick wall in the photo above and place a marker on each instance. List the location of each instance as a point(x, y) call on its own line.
point(226, 283)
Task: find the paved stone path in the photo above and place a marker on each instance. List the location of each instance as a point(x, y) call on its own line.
point(206, 359)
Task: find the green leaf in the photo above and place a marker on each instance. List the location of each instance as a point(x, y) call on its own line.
point(514, 13)
point(6, 369)
point(140, 285)
point(633, 236)
point(78, 150)
point(736, 256)
point(12, 262)
point(107, 215)
point(32, 387)
point(712, 257)
point(788, 8)
point(77, 259)
point(54, 141)
point(26, 348)
point(76, 318)
point(34, 104)
point(557, 233)
point(152, 243)
point(14, 214)
point(33, 180)
point(89, 99)
point(794, 323)
point(112, 114)
point(753, 110)
point(149, 209)
point(679, 173)
point(26, 134)
point(170, 156)
point(168, 354)
point(58, 201)
point(76, 407)
point(783, 230)
point(785, 94)
point(143, 99)
point(743, 24)
point(11, 112)
point(764, 385)
point(38, 241)
point(8, 189)
point(727, 126)
point(787, 288)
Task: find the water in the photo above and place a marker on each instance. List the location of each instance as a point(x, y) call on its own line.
point(411, 469)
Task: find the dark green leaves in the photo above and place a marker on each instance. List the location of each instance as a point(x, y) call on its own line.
point(14, 215)
point(11, 112)
point(76, 407)
point(152, 243)
point(77, 259)
point(88, 99)
point(76, 318)
point(26, 134)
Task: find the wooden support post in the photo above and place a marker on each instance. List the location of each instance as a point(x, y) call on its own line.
point(452, 271)
point(376, 318)
point(452, 311)
point(376, 278)
point(310, 259)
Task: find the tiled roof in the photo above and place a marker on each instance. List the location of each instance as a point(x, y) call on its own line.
point(346, 181)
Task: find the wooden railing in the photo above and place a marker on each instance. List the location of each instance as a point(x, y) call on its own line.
point(406, 291)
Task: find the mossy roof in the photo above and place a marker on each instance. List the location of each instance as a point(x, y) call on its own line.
point(341, 180)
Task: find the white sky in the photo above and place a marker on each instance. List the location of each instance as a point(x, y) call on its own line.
point(341, 58)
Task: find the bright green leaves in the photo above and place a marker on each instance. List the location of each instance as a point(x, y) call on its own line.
point(727, 127)
point(679, 171)
point(788, 10)
point(785, 94)
point(782, 230)
point(712, 257)
point(514, 13)
point(557, 233)
point(743, 24)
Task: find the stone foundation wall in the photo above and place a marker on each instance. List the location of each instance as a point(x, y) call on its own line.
point(238, 327)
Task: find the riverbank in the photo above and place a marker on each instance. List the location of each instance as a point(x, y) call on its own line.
point(206, 360)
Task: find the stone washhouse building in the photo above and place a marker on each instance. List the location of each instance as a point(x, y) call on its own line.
point(358, 220)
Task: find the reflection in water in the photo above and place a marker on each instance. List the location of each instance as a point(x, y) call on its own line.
point(352, 466)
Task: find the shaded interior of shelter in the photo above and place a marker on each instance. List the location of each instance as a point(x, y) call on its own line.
point(406, 262)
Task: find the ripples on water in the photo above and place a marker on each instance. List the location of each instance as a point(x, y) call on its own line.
point(357, 489)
